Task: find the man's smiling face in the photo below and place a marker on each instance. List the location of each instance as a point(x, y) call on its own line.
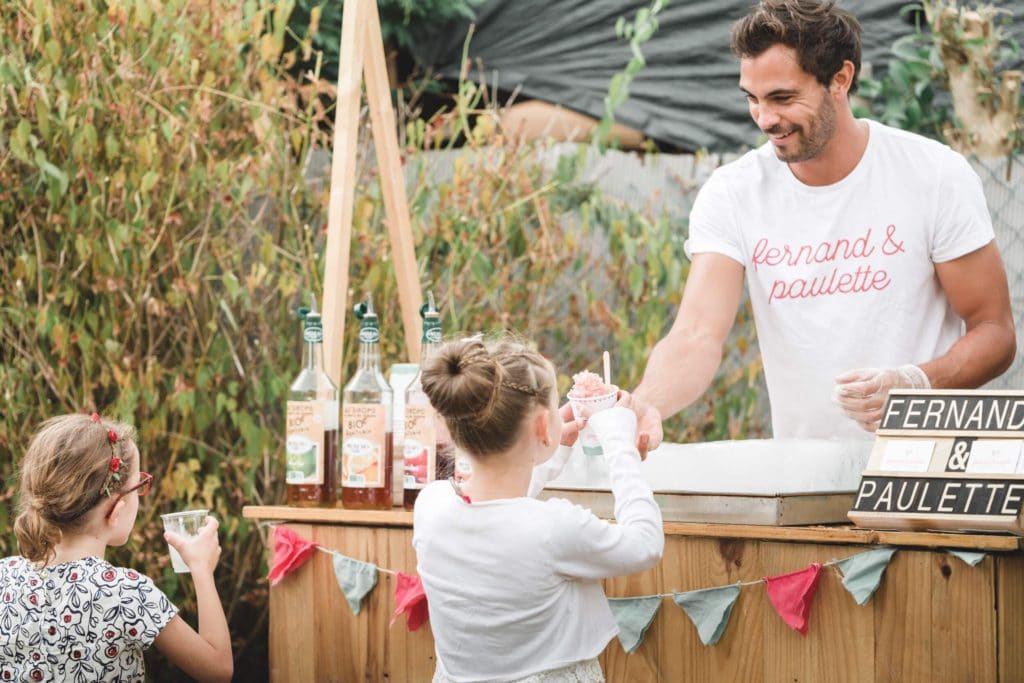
point(788, 104)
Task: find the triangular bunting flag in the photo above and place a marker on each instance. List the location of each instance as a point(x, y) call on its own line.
point(634, 616)
point(410, 598)
point(792, 595)
point(290, 552)
point(709, 610)
point(967, 556)
point(355, 579)
point(863, 572)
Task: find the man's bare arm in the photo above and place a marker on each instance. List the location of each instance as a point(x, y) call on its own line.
point(976, 287)
point(683, 364)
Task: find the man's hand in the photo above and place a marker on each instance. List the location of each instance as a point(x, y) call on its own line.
point(649, 431)
point(861, 393)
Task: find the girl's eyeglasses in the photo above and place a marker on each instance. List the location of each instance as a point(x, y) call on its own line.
point(145, 483)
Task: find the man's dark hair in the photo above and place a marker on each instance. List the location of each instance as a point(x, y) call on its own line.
point(823, 35)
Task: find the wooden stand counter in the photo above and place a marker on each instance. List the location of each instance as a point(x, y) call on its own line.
point(933, 618)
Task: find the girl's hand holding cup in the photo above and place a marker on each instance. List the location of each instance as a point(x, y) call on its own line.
point(571, 425)
point(200, 552)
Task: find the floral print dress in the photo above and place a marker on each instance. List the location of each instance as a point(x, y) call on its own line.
point(80, 621)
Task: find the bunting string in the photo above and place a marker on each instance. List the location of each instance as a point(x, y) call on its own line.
point(335, 553)
point(754, 582)
point(709, 609)
point(355, 578)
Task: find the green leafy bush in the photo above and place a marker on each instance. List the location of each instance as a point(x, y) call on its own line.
point(948, 79)
point(907, 96)
point(154, 235)
point(158, 229)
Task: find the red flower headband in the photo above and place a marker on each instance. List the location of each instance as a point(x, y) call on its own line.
point(114, 469)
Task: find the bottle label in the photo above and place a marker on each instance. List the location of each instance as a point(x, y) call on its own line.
point(363, 453)
point(432, 331)
point(369, 335)
point(420, 447)
point(304, 440)
point(313, 329)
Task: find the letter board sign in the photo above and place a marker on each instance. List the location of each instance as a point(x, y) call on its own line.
point(946, 460)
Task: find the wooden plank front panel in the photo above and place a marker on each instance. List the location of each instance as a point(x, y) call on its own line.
point(410, 652)
point(836, 647)
point(844, 629)
point(963, 620)
point(315, 637)
point(787, 654)
point(642, 665)
point(903, 619)
point(1010, 620)
point(291, 625)
point(935, 620)
point(737, 656)
point(672, 650)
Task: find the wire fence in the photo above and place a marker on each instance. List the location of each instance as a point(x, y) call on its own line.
point(1003, 180)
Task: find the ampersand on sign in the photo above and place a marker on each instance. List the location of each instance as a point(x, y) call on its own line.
point(961, 454)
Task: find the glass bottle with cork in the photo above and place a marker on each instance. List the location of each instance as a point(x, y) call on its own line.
point(311, 441)
point(366, 455)
point(426, 448)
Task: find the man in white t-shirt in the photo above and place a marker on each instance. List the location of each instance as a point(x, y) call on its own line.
point(866, 250)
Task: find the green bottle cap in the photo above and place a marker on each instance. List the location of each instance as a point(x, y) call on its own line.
point(431, 321)
point(369, 329)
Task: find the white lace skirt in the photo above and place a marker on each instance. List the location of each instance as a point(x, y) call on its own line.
point(588, 671)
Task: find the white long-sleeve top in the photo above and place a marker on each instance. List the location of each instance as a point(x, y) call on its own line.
point(513, 585)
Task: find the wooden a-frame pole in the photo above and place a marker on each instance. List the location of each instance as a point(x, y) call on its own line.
point(362, 57)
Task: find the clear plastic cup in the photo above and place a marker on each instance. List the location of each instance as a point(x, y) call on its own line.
point(585, 407)
point(187, 523)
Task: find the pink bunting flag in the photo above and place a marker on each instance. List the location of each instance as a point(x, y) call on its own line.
point(410, 598)
point(792, 595)
point(290, 552)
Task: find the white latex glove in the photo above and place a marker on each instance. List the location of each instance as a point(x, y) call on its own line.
point(861, 393)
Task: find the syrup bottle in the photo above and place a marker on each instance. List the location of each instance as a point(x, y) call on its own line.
point(366, 455)
point(311, 442)
point(426, 449)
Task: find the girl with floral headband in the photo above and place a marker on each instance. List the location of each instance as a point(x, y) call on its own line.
point(65, 613)
point(513, 583)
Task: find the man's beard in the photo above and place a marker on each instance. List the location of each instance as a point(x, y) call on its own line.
point(819, 132)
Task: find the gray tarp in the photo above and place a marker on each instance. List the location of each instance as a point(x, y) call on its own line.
point(566, 51)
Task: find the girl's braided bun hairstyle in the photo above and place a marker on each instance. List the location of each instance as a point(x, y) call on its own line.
point(485, 390)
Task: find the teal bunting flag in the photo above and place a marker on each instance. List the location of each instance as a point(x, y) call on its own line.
point(634, 616)
point(863, 572)
point(355, 579)
point(971, 558)
point(709, 610)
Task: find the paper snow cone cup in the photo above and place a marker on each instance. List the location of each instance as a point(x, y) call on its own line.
point(585, 407)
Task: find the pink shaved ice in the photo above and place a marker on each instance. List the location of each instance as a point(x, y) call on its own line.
point(589, 385)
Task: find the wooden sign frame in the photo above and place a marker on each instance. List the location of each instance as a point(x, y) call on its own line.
point(946, 460)
point(362, 57)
